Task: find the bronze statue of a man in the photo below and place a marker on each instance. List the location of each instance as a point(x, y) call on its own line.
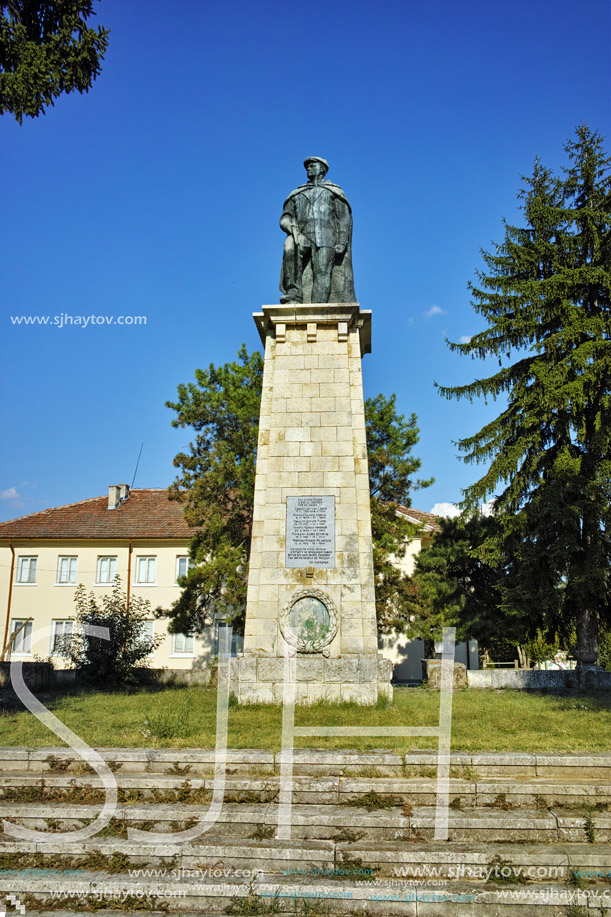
point(317, 261)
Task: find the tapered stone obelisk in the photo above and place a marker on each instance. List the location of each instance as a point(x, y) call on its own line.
point(311, 582)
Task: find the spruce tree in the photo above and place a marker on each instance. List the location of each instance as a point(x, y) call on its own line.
point(46, 49)
point(545, 296)
point(453, 587)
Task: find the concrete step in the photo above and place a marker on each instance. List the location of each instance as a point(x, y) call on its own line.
point(322, 897)
point(499, 792)
point(104, 912)
point(544, 814)
point(235, 820)
point(327, 822)
point(224, 857)
point(317, 762)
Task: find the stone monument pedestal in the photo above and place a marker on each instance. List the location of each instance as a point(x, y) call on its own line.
point(311, 583)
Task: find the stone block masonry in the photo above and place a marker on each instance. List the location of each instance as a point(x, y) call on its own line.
point(312, 444)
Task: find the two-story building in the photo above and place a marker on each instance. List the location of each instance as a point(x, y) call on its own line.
point(141, 536)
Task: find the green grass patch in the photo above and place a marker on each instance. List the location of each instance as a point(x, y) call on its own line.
point(482, 721)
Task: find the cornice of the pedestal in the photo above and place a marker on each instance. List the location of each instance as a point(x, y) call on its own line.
point(319, 313)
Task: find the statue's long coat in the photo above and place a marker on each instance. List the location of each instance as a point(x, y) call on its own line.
point(339, 229)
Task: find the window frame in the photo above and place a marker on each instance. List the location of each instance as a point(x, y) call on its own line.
point(69, 558)
point(146, 622)
point(54, 634)
point(19, 570)
point(180, 557)
point(25, 635)
point(186, 652)
point(98, 568)
point(139, 559)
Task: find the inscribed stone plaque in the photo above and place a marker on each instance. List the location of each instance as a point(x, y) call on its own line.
point(310, 532)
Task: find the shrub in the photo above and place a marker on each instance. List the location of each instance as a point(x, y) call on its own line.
point(541, 647)
point(604, 648)
point(110, 662)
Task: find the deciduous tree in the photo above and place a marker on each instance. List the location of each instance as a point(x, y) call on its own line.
point(452, 586)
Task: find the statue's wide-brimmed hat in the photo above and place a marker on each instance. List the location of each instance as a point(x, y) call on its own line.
point(316, 159)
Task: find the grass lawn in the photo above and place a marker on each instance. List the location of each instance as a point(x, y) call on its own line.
point(186, 717)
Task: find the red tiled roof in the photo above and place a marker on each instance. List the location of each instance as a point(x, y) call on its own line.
point(145, 514)
point(420, 516)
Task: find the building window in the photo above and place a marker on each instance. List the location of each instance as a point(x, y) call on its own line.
point(26, 569)
point(219, 641)
point(145, 570)
point(61, 637)
point(22, 644)
point(107, 569)
point(182, 644)
point(66, 570)
point(182, 567)
point(147, 632)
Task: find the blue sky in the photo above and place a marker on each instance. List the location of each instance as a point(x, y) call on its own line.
point(158, 193)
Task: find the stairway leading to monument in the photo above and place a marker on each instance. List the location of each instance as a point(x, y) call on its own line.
point(362, 834)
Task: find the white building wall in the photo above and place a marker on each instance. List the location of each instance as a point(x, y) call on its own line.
point(46, 600)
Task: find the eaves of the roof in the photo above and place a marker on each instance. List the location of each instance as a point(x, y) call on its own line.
point(429, 521)
point(147, 513)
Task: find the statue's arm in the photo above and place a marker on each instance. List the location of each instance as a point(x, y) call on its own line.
point(288, 220)
point(344, 223)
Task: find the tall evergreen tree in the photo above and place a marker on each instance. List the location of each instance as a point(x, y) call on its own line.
point(452, 586)
point(46, 48)
point(546, 301)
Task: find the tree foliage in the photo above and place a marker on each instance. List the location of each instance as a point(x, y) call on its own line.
point(216, 485)
point(542, 646)
point(545, 298)
point(110, 662)
point(452, 586)
point(46, 48)
point(392, 466)
point(605, 648)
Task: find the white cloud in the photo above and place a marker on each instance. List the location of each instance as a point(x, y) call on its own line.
point(449, 510)
point(465, 338)
point(445, 509)
point(13, 497)
point(434, 310)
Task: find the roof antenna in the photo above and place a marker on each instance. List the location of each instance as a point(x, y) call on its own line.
point(136, 471)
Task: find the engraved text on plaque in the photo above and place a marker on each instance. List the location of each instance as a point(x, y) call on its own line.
point(310, 532)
